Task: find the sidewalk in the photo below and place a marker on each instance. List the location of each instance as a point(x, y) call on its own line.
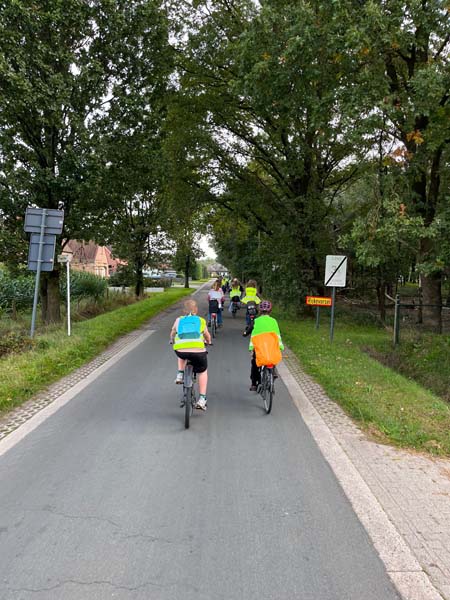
point(412, 490)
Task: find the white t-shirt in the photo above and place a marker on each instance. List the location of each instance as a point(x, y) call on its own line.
point(216, 295)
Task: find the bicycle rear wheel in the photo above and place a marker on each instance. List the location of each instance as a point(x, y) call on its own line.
point(188, 392)
point(213, 327)
point(267, 389)
point(188, 407)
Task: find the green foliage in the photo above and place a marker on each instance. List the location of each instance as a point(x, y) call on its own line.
point(75, 77)
point(123, 277)
point(164, 282)
point(16, 292)
point(14, 341)
point(85, 285)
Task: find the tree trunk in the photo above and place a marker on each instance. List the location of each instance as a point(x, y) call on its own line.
point(432, 295)
point(381, 290)
point(139, 281)
point(50, 297)
point(187, 268)
point(431, 291)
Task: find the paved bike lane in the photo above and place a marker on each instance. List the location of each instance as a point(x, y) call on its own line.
point(111, 497)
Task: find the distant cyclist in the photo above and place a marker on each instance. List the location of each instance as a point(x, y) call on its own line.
point(215, 303)
point(251, 297)
point(266, 336)
point(235, 293)
point(188, 336)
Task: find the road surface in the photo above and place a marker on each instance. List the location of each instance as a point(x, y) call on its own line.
point(111, 497)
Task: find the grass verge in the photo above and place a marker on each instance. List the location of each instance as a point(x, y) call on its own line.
point(55, 355)
point(391, 407)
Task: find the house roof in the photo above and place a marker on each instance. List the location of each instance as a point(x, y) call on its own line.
point(83, 251)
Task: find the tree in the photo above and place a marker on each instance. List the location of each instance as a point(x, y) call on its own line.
point(405, 46)
point(275, 125)
point(67, 71)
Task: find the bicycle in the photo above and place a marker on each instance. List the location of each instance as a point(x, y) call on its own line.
point(235, 305)
point(189, 398)
point(266, 388)
point(213, 310)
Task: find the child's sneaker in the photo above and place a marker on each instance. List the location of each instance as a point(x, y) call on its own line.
point(180, 377)
point(201, 403)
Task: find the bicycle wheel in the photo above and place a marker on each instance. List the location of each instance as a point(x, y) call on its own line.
point(187, 407)
point(188, 392)
point(213, 327)
point(267, 389)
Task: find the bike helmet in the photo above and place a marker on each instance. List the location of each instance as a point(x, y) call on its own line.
point(265, 306)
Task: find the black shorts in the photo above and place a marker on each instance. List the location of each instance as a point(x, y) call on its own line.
point(199, 360)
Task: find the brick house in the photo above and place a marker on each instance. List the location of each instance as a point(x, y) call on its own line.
point(92, 258)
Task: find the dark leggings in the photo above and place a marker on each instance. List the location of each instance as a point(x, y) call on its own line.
point(255, 373)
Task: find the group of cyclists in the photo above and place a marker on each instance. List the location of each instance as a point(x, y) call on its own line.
point(190, 334)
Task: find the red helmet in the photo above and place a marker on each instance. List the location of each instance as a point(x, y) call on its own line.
point(265, 306)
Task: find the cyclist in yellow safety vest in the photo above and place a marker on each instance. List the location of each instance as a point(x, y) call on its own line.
point(250, 296)
point(188, 339)
point(235, 294)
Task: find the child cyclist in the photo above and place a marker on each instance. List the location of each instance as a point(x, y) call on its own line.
point(215, 303)
point(265, 339)
point(250, 299)
point(188, 336)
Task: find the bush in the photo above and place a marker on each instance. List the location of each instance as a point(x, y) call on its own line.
point(123, 277)
point(15, 341)
point(164, 282)
point(17, 291)
point(85, 285)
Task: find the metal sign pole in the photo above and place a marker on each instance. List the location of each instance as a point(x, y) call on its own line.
point(38, 273)
point(317, 317)
point(332, 315)
point(68, 297)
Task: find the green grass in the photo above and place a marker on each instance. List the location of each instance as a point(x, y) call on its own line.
point(391, 407)
point(55, 354)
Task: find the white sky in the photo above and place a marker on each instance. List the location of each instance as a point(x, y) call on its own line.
point(204, 245)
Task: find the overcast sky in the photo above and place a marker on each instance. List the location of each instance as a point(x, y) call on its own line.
point(204, 245)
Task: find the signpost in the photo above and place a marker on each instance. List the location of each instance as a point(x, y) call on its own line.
point(335, 276)
point(44, 224)
point(66, 258)
point(318, 301)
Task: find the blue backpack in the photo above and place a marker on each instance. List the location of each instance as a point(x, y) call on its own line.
point(189, 327)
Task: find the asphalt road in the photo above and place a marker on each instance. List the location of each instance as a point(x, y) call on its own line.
point(112, 498)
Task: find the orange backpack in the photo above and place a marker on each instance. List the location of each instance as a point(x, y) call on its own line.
point(267, 349)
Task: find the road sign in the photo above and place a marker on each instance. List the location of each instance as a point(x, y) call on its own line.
point(44, 224)
point(335, 271)
point(64, 258)
point(54, 220)
point(318, 301)
point(48, 252)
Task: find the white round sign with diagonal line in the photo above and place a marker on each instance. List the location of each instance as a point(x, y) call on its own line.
point(335, 271)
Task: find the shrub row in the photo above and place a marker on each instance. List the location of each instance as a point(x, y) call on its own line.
point(18, 292)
